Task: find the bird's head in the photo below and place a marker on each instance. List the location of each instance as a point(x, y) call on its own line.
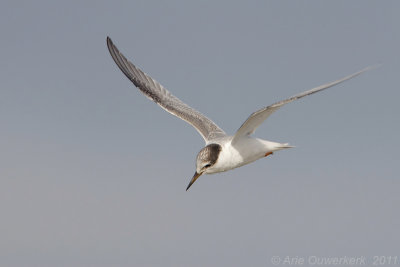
point(206, 158)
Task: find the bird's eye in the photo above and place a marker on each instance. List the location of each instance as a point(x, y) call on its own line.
point(207, 165)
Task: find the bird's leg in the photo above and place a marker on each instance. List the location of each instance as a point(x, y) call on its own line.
point(268, 153)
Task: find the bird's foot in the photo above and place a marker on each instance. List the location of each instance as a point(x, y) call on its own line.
point(268, 153)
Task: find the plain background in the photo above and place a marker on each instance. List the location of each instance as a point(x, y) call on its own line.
point(94, 174)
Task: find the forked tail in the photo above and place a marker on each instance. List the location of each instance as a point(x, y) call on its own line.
point(283, 146)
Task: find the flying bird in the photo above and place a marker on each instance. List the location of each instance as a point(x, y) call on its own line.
point(222, 152)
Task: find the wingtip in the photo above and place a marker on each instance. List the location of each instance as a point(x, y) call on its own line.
point(109, 41)
point(372, 67)
point(111, 47)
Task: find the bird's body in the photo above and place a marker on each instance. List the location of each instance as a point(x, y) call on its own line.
point(222, 152)
point(248, 149)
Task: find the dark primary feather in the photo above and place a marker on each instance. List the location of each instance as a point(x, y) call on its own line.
point(156, 92)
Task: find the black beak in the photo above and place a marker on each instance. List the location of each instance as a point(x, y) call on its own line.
point(195, 176)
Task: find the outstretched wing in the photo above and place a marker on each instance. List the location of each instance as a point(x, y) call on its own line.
point(156, 92)
point(255, 119)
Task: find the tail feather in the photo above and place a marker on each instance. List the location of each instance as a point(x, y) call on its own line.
point(283, 146)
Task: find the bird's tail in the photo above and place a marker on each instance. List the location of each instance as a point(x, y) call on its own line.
point(283, 146)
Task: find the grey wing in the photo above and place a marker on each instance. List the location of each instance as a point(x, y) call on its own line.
point(258, 117)
point(156, 92)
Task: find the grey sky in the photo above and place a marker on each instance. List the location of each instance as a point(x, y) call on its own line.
point(94, 174)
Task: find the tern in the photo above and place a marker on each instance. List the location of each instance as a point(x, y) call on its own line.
point(221, 152)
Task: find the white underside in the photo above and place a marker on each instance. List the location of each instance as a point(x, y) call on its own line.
point(245, 151)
